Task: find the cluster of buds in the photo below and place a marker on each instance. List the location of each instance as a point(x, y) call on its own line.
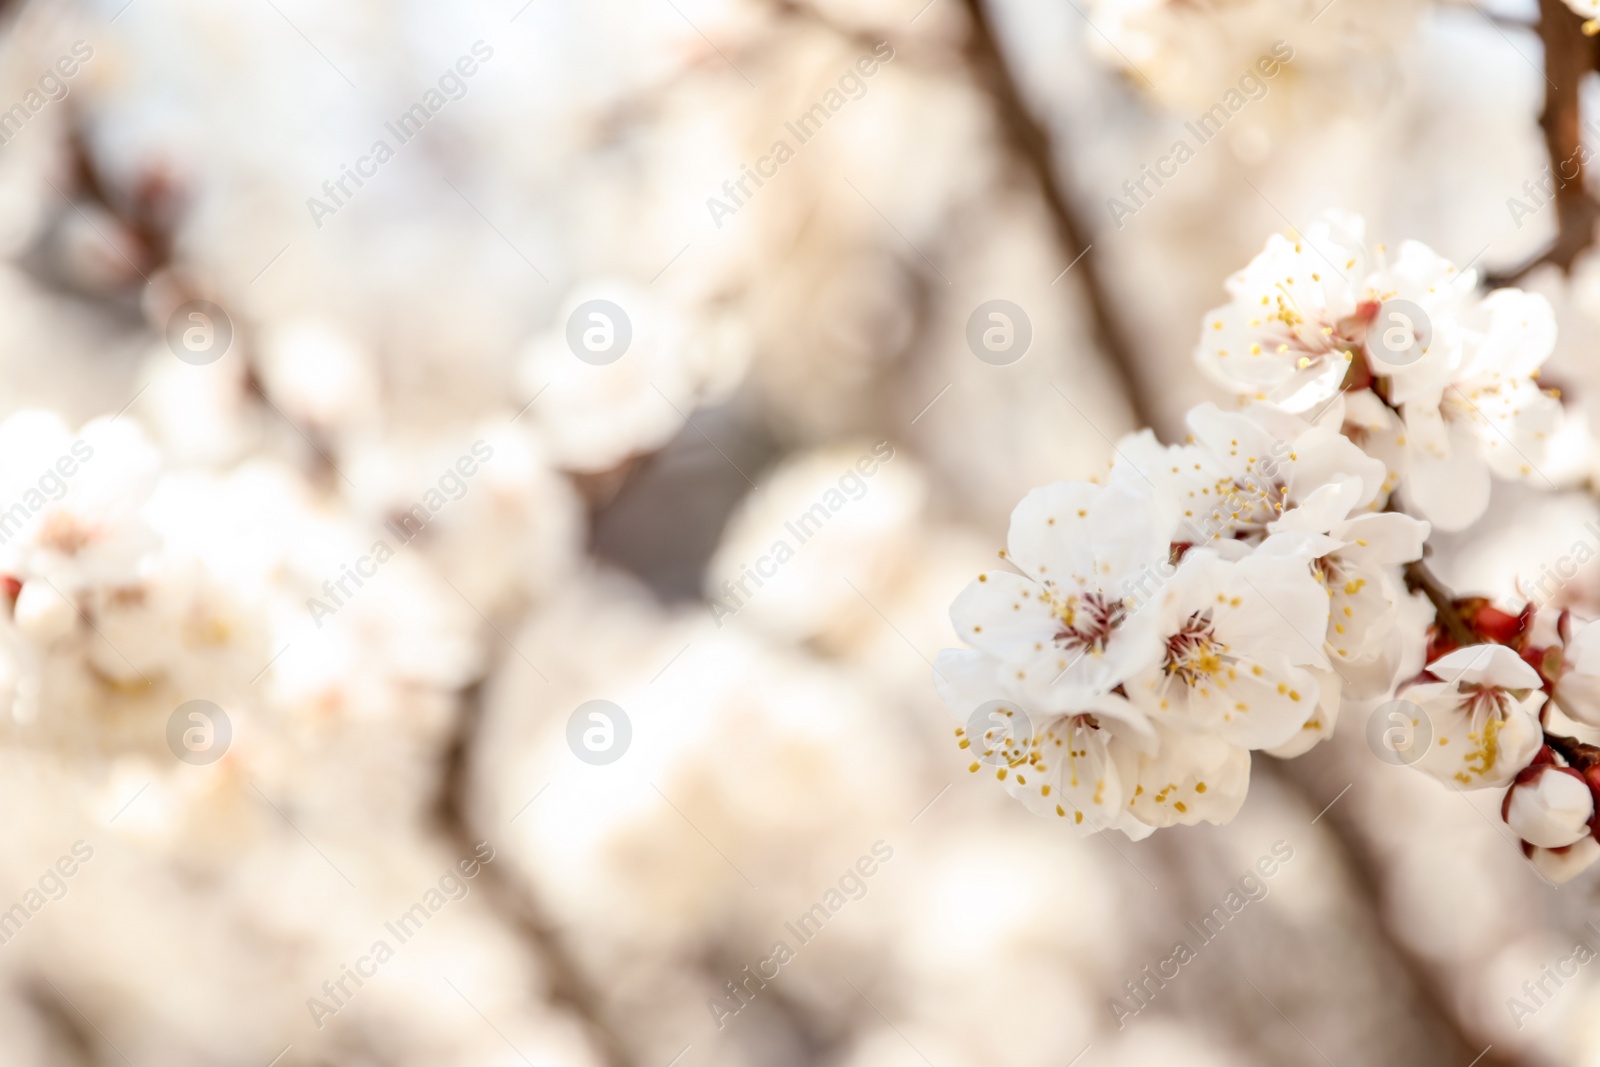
point(1488, 692)
point(1551, 807)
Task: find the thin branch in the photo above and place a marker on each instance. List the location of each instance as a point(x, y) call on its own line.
point(1446, 613)
point(514, 899)
point(1355, 852)
point(1029, 139)
point(1568, 56)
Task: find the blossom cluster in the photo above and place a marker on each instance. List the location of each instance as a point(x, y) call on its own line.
point(1210, 599)
point(1203, 601)
point(1492, 710)
point(1440, 382)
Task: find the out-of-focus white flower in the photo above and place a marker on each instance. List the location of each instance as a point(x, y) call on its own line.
point(1587, 8)
point(1483, 715)
point(821, 522)
point(317, 373)
point(41, 613)
point(481, 502)
point(610, 382)
point(1549, 807)
point(71, 505)
point(1231, 54)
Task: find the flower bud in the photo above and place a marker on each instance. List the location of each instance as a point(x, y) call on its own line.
point(42, 613)
point(1550, 808)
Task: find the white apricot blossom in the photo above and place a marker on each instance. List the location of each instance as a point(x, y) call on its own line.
point(1550, 808)
point(1080, 765)
point(1358, 565)
point(1104, 766)
point(1483, 716)
point(1066, 628)
point(1238, 637)
point(1189, 779)
point(1485, 414)
point(1295, 318)
point(1245, 472)
point(1261, 474)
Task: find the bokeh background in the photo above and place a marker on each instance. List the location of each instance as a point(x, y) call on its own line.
point(381, 336)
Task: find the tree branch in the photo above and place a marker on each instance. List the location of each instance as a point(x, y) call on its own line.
point(514, 900)
point(1446, 613)
point(1568, 56)
point(1030, 141)
point(1356, 853)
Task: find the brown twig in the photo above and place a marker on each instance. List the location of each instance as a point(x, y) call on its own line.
point(1580, 755)
point(513, 899)
point(1568, 57)
point(1446, 613)
point(1355, 851)
point(1030, 141)
point(147, 212)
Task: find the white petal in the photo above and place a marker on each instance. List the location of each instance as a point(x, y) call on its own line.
point(965, 680)
point(1194, 778)
point(1447, 482)
point(1475, 751)
point(1494, 665)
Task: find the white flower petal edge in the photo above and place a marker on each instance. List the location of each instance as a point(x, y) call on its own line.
point(1578, 690)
